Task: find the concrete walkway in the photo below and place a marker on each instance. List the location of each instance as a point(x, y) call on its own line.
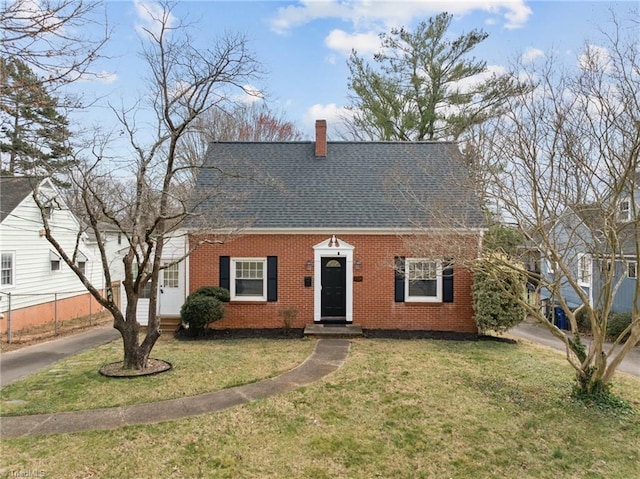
point(540, 335)
point(17, 364)
point(328, 356)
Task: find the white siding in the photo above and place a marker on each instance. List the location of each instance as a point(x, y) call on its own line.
point(174, 248)
point(34, 282)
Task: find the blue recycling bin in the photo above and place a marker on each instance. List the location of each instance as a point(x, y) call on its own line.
point(561, 318)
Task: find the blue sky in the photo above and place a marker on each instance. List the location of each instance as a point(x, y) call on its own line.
point(303, 45)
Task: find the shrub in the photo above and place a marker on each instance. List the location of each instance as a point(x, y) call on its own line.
point(199, 310)
point(496, 301)
point(617, 323)
point(221, 294)
point(584, 323)
point(288, 315)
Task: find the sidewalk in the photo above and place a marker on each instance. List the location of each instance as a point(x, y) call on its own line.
point(328, 356)
point(30, 359)
point(540, 335)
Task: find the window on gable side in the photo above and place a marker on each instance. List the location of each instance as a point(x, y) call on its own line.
point(584, 269)
point(624, 210)
point(6, 269)
point(632, 269)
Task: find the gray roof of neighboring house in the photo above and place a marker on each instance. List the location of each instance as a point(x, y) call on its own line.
point(594, 220)
point(357, 185)
point(13, 190)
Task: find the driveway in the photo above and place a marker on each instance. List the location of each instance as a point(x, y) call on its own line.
point(540, 335)
point(17, 364)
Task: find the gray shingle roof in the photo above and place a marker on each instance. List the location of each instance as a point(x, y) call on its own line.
point(357, 185)
point(12, 191)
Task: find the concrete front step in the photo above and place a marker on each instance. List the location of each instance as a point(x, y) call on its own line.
point(169, 325)
point(333, 330)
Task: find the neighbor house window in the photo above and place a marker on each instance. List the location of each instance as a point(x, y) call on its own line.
point(6, 269)
point(54, 261)
point(171, 277)
point(248, 279)
point(632, 269)
point(584, 269)
point(423, 280)
point(82, 266)
point(624, 210)
point(48, 212)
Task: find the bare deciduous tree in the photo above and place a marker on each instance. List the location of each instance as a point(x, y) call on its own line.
point(563, 166)
point(184, 83)
point(58, 39)
point(233, 122)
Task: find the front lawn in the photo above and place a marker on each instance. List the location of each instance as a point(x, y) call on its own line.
point(396, 409)
point(198, 367)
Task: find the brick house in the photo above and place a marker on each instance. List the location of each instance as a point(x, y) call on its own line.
point(372, 233)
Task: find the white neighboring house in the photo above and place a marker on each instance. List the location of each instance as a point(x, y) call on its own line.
point(172, 287)
point(32, 274)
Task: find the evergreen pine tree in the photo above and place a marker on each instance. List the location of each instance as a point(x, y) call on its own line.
point(34, 135)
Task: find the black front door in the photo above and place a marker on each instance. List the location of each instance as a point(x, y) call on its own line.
point(334, 282)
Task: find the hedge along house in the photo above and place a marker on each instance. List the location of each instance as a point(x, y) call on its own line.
point(373, 233)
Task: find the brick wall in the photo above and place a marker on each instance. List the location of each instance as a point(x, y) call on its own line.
point(373, 297)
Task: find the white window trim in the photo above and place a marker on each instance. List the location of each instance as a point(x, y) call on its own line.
point(332, 248)
point(581, 270)
point(13, 269)
point(232, 280)
point(54, 258)
point(174, 269)
point(423, 299)
point(624, 214)
point(635, 264)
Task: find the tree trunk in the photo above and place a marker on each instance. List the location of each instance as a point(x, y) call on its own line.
point(136, 355)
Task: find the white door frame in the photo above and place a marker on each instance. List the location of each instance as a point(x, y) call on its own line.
point(332, 248)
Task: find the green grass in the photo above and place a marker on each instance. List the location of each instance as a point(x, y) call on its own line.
point(396, 409)
point(198, 367)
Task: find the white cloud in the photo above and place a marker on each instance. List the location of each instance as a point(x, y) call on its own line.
point(101, 77)
point(517, 16)
point(594, 58)
point(531, 55)
point(492, 70)
point(151, 15)
point(365, 14)
point(331, 112)
point(250, 95)
point(344, 42)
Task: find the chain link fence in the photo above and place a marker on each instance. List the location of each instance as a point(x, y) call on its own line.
point(54, 321)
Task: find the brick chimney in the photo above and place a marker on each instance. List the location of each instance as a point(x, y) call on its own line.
point(321, 138)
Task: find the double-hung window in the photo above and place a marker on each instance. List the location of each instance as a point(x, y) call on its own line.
point(423, 280)
point(248, 279)
point(624, 210)
point(584, 270)
point(6, 269)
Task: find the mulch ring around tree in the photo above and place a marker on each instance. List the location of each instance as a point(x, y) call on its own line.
point(154, 366)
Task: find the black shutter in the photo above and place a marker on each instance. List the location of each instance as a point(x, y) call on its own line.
point(225, 266)
point(399, 280)
point(272, 278)
point(447, 282)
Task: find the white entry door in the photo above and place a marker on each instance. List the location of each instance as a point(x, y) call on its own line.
point(172, 290)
